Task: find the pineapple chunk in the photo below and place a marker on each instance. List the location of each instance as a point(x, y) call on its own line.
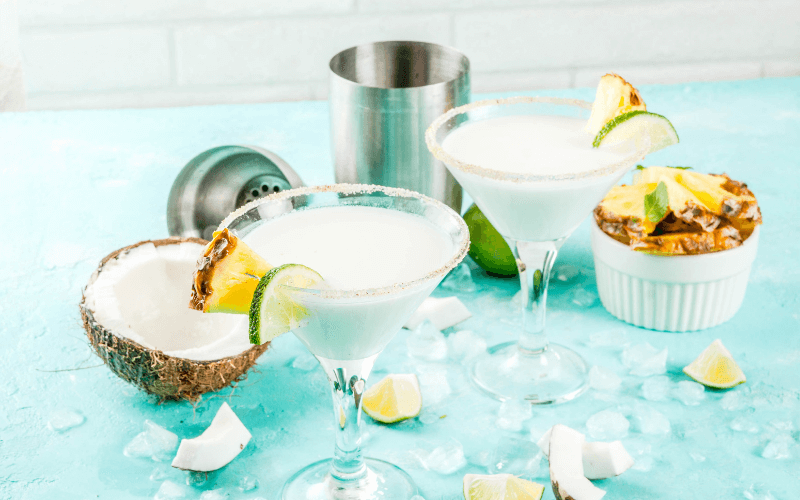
point(614, 97)
point(709, 190)
point(622, 212)
point(227, 275)
point(689, 243)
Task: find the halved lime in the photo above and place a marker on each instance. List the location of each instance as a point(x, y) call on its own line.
point(639, 126)
point(396, 397)
point(273, 311)
point(500, 487)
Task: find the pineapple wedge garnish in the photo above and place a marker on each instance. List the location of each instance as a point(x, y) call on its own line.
point(614, 97)
point(227, 275)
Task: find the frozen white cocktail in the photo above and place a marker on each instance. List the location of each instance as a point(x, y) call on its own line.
point(531, 166)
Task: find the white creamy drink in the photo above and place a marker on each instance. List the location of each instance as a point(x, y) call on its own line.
point(542, 145)
point(355, 248)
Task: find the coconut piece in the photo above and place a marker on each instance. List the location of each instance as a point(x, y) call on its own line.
point(601, 460)
point(135, 315)
point(442, 312)
point(566, 466)
point(220, 443)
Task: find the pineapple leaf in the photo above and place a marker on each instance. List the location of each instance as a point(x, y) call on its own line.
point(656, 203)
point(681, 168)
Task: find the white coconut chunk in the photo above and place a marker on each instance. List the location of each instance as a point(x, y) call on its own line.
point(220, 443)
point(143, 295)
point(566, 466)
point(601, 460)
point(442, 312)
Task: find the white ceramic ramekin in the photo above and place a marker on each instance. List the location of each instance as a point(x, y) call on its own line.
point(671, 293)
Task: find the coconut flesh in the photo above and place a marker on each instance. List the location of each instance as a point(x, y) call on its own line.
point(138, 300)
point(566, 466)
point(220, 443)
point(601, 460)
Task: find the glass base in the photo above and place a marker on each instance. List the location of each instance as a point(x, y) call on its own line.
point(384, 481)
point(553, 375)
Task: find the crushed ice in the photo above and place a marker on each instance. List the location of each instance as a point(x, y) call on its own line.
point(656, 388)
point(607, 425)
point(689, 393)
point(154, 442)
point(515, 456)
point(170, 491)
point(512, 414)
point(464, 345)
point(426, 342)
point(603, 379)
point(305, 362)
point(644, 360)
point(64, 420)
point(460, 280)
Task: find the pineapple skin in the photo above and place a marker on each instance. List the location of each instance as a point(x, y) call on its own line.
point(227, 275)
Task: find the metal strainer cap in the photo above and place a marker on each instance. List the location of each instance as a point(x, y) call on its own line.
point(218, 181)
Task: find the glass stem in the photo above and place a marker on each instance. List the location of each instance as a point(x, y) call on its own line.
point(534, 261)
point(348, 382)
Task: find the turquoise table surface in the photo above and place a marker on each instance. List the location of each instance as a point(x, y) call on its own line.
point(76, 185)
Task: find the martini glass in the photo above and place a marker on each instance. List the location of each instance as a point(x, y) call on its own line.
point(535, 213)
point(346, 329)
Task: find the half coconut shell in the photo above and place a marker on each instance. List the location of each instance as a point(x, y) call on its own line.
point(154, 371)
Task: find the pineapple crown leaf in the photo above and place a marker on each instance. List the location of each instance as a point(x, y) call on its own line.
point(656, 203)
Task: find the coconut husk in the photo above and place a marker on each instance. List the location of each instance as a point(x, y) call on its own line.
point(155, 372)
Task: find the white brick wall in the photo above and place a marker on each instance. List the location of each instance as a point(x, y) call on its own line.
point(100, 53)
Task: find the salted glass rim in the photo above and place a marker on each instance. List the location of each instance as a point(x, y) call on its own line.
point(440, 154)
point(460, 251)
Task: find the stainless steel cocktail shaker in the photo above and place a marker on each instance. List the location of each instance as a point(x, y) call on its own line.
point(382, 98)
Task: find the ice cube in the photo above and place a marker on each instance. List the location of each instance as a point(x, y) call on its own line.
point(460, 280)
point(426, 342)
point(644, 360)
point(603, 379)
point(758, 493)
point(779, 448)
point(434, 387)
point(196, 479)
point(218, 494)
point(305, 362)
point(170, 491)
point(155, 442)
point(731, 401)
point(742, 424)
point(609, 338)
point(566, 272)
point(651, 421)
point(582, 297)
point(656, 388)
point(447, 458)
point(465, 345)
point(515, 456)
point(512, 413)
point(689, 393)
point(248, 483)
point(427, 417)
point(442, 312)
point(64, 420)
point(643, 463)
point(607, 425)
point(158, 474)
point(782, 425)
point(697, 457)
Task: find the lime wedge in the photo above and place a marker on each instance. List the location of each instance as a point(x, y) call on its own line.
point(500, 487)
point(639, 126)
point(394, 398)
point(716, 368)
point(273, 311)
